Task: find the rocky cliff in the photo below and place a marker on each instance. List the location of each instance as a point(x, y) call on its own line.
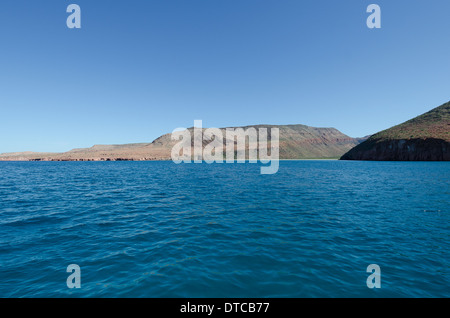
point(424, 138)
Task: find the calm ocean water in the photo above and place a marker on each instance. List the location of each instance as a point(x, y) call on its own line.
point(156, 229)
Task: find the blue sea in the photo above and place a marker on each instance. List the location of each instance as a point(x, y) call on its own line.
point(157, 229)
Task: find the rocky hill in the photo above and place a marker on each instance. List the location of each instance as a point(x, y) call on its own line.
point(424, 138)
point(296, 142)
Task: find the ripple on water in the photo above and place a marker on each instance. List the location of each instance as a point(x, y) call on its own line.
point(156, 229)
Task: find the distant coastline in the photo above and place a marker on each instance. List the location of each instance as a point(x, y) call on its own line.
point(296, 142)
point(424, 138)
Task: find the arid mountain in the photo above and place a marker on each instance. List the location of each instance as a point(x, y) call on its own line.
point(424, 138)
point(296, 142)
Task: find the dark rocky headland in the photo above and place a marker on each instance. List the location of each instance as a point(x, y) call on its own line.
point(424, 138)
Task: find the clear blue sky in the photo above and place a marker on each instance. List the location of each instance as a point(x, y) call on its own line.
point(138, 69)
